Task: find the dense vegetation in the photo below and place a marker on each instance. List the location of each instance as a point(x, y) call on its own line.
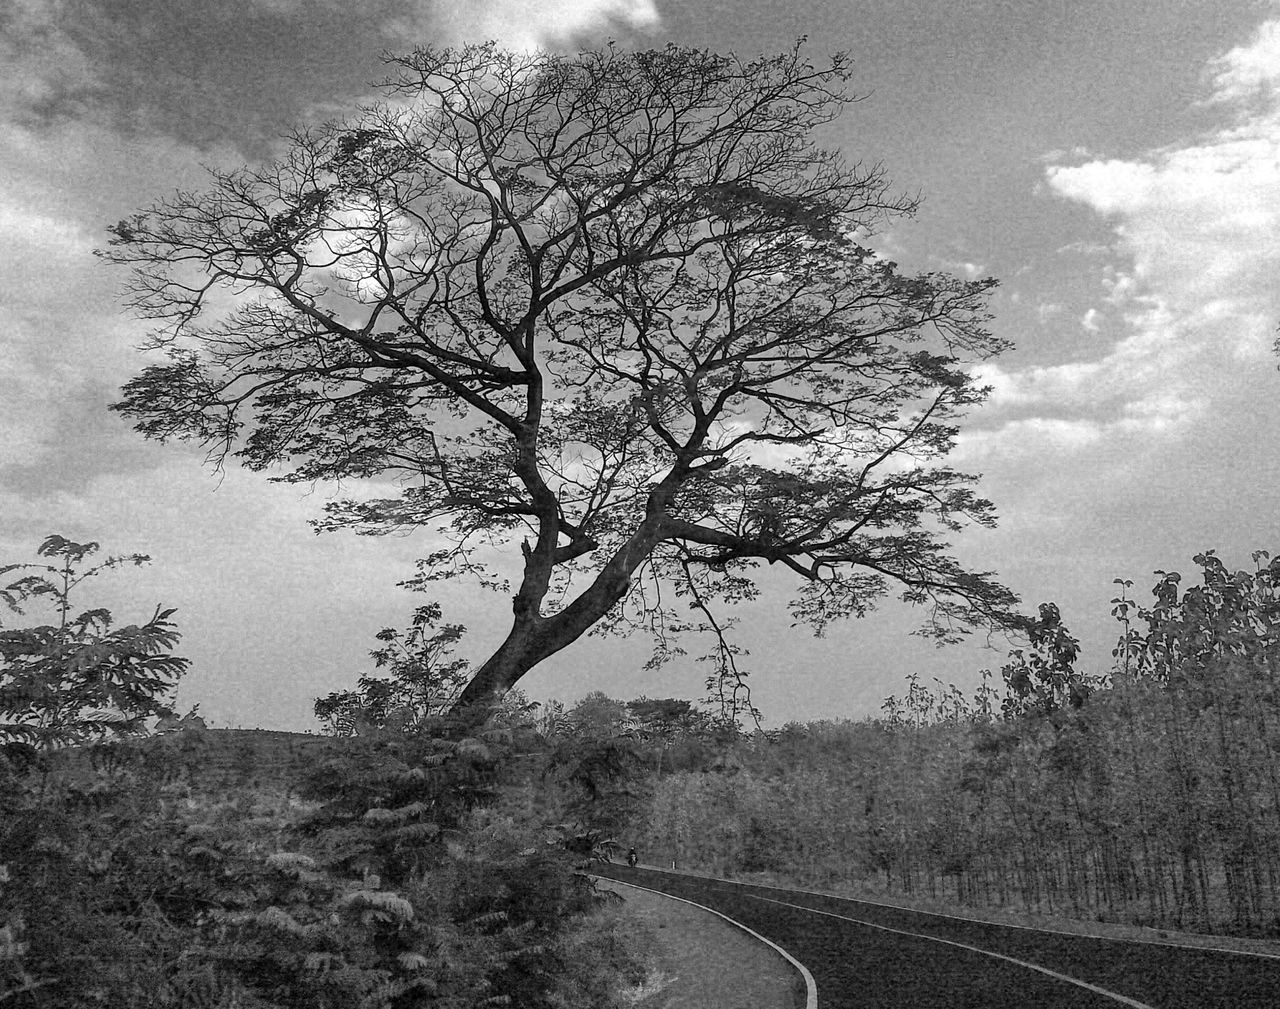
point(402, 866)
point(386, 870)
point(399, 861)
point(1149, 795)
point(79, 677)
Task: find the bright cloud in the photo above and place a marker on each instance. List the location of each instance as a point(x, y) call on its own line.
point(1248, 71)
point(27, 228)
point(523, 25)
point(1199, 220)
point(968, 270)
point(1196, 230)
point(1030, 436)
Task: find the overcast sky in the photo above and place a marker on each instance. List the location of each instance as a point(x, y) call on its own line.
point(1114, 163)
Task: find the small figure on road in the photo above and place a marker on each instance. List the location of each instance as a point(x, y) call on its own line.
point(632, 858)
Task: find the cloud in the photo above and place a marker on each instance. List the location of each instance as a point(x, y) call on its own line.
point(1059, 153)
point(519, 24)
point(41, 251)
point(1032, 434)
point(1046, 310)
point(1191, 283)
point(1247, 72)
point(67, 344)
point(1199, 221)
point(969, 270)
point(52, 355)
point(26, 390)
point(43, 72)
point(283, 8)
point(66, 348)
point(27, 227)
point(1085, 248)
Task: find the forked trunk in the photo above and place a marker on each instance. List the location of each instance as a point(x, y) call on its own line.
point(533, 638)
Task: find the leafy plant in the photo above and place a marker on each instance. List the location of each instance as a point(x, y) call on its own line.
point(1043, 679)
point(424, 679)
point(80, 678)
point(125, 885)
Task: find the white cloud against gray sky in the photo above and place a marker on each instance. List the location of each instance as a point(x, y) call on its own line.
point(1188, 291)
point(520, 24)
point(1117, 166)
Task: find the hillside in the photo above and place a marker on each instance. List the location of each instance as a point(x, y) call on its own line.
point(265, 760)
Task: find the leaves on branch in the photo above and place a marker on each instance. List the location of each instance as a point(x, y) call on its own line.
point(81, 678)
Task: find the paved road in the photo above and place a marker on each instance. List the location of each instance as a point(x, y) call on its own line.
point(869, 956)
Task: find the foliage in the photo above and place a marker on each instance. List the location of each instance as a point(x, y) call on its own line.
point(1040, 681)
point(1231, 619)
point(1153, 797)
point(616, 308)
point(80, 678)
point(665, 718)
point(941, 704)
point(124, 884)
point(597, 759)
point(388, 801)
point(1044, 679)
point(424, 680)
point(671, 723)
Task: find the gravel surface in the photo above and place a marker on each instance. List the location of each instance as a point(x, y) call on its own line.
point(706, 963)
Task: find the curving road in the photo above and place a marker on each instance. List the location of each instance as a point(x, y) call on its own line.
point(867, 956)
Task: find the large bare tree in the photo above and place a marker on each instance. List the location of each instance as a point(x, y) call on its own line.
point(616, 307)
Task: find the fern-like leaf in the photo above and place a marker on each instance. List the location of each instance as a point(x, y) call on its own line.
point(291, 862)
point(280, 920)
point(413, 961)
point(385, 905)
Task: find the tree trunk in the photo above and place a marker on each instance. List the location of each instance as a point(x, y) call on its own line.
point(534, 637)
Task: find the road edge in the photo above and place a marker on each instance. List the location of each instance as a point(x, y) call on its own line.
point(810, 985)
point(977, 921)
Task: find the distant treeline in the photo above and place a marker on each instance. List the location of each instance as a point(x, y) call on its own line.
point(1150, 795)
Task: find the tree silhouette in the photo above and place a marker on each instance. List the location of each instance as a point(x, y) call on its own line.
point(614, 308)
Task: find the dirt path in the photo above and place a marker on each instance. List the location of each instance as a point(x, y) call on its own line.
point(706, 963)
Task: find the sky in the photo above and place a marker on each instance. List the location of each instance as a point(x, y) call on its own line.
point(1115, 164)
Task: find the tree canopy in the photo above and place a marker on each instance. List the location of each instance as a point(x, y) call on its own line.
point(615, 307)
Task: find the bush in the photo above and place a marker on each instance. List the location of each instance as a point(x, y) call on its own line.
point(125, 885)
